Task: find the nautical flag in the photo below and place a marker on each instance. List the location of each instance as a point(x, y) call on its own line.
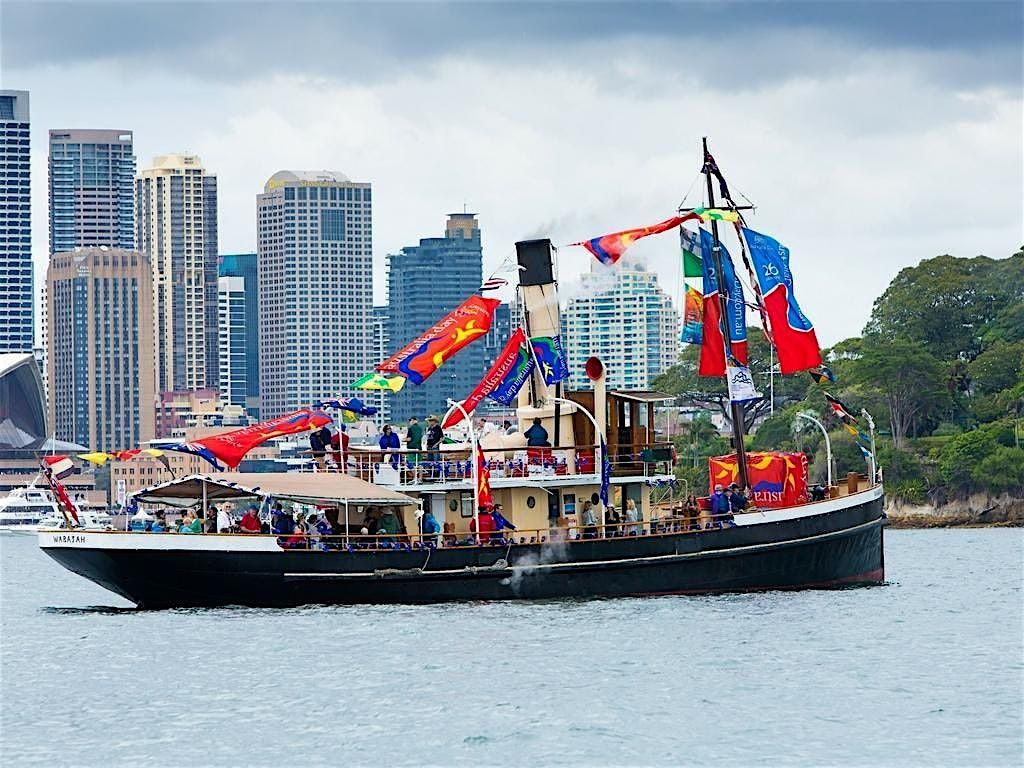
point(551, 358)
point(503, 365)
point(231, 447)
point(493, 284)
point(483, 478)
point(712, 351)
point(689, 244)
point(608, 249)
point(352, 404)
point(821, 374)
point(840, 410)
point(428, 352)
point(606, 473)
point(125, 455)
point(196, 449)
point(59, 492)
point(509, 386)
point(99, 458)
point(710, 166)
point(383, 383)
point(159, 456)
point(741, 384)
point(693, 315)
point(60, 466)
point(792, 332)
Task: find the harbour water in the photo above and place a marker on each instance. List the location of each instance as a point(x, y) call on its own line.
point(926, 670)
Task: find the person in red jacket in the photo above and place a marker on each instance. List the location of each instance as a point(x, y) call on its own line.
point(339, 448)
point(487, 526)
point(250, 522)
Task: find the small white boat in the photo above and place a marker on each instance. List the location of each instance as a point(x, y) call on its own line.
point(27, 510)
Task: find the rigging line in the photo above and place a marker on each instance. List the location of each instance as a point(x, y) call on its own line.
point(689, 189)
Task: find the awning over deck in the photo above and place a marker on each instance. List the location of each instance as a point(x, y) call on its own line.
point(302, 487)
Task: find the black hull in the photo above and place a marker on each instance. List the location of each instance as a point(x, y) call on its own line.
point(838, 548)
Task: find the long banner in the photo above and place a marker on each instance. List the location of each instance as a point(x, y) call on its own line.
point(505, 363)
point(231, 447)
point(418, 359)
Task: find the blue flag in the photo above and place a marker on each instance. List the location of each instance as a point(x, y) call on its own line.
point(736, 309)
point(509, 387)
point(551, 358)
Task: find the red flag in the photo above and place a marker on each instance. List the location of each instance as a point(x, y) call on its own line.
point(231, 447)
point(504, 363)
point(712, 350)
point(63, 500)
point(61, 466)
point(483, 479)
point(418, 359)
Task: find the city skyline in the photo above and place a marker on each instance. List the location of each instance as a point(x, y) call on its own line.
point(596, 133)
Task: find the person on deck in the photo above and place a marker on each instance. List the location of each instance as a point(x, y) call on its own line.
point(318, 448)
point(690, 512)
point(612, 521)
point(190, 523)
point(719, 508)
point(389, 443)
point(737, 499)
point(160, 524)
point(414, 439)
point(435, 435)
point(632, 516)
point(588, 519)
point(224, 521)
point(250, 522)
point(536, 436)
point(487, 526)
point(339, 448)
point(501, 523)
point(429, 524)
point(388, 525)
point(282, 521)
point(507, 427)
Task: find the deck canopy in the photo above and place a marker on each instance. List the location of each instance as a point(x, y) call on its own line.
point(305, 488)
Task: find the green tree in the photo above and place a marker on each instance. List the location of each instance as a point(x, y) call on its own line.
point(910, 381)
point(946, 303)
point(997, 368)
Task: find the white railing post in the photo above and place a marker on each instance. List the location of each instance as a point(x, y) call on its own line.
point(598, 451)
point(828, 443)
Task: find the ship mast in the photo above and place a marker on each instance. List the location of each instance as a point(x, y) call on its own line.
point(723, 303)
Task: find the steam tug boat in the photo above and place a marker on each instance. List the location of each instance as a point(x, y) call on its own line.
point(603, 447)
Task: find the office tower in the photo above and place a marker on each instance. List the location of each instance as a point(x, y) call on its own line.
point(314, 255)
point(92, 176)
point(100, 365)
point(232, 352)
point(17, 317)
point(243, 266)
point(426, 282)
point(381, 347)
point(176, 201)
point(623, 317)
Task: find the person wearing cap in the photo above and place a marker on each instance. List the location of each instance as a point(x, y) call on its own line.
point(737, 499)
point(719, 506)
point(250, 522)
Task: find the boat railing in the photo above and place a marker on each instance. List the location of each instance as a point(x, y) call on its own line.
point(404, 467)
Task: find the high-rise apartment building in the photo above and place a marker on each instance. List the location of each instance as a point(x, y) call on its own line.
point(232, 352)
point(176, 200)
point(623, 317)
point(17, 317)
point(100, 366)
point(92, 177)
point(243, 266)
point(426, 282)
point(315, 262)
point(381, 347)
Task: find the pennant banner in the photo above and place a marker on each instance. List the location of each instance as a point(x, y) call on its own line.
point(61, 495)
point(503, 365)
point(517, 376)
point(350, 404)
point(821, 374)
point(99, 458)
point(712, 351)
point(606, 473)
point(428, 352)
point(231, 447)
point(689, 243)
point(196, 449)
point(551, 358)
point(793, 333)
point(60, 466)
point(608, 249)
point(493, 284)
point(379, 382)
point(693, 315)
point(483, 478)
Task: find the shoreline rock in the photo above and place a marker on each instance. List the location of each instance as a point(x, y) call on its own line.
point(974, 511)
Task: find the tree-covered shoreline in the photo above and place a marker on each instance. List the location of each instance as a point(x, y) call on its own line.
point(940, 367)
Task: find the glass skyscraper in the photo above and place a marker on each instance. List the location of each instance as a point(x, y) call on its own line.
point(243, 267)
point(315, 263)
point(426, 282)
point(92, 189)
point(16, 286)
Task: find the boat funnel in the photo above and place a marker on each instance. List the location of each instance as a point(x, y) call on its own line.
point(596, 372)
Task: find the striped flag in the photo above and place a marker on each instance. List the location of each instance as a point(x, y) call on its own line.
point(60, 466)
point(493, 284)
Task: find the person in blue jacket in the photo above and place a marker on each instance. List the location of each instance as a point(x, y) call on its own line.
point(720, 510)
point(389, 442)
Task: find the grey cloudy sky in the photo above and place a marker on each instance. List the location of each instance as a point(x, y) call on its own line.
point(871, 135)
